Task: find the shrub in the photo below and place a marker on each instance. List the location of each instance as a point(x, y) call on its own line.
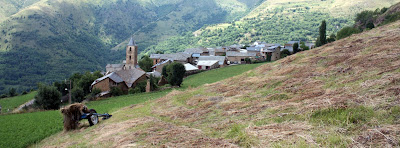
point(12, 92)
point(285, 53)
point(93, 94)
point(116, 91)
point(347, 31)
point(48, 97)
point(140, 87)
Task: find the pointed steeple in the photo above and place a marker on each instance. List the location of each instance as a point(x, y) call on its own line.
point(131, 42)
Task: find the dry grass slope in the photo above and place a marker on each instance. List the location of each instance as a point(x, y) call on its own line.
point(344, 94)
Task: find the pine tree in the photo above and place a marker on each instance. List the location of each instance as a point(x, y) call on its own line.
point(322, 33)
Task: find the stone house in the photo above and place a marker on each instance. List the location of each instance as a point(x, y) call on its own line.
point(272, 53)
point(180, 57)
point(239, 57)
point(123, 79)
point(222, 60)
point(158, 67)
point(207, 64)
point(289, 45)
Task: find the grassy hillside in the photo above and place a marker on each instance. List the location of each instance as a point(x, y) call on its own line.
point(275, 21)
point(14, 102)
point(343, 94)
point(45, 41)
point(21, 130)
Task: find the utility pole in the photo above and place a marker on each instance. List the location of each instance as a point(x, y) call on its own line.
point(69, 91)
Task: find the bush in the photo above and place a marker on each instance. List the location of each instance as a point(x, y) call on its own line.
point(285, 53)
point(248, 60)
point(93, 94)
point(347, 31)
point(48, 97)
point(3, 96)
point(140, 87)
point(116, 91)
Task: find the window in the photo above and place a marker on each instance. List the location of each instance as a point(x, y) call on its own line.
point(130, 48)
point(130, 58)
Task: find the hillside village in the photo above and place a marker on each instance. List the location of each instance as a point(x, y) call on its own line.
point(128, 74)
point(344, 92)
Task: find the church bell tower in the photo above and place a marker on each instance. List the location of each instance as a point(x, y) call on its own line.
point(131, 55)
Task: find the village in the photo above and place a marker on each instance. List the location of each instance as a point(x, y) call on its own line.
point(128, 74)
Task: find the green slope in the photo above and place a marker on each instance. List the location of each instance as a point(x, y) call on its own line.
point(275, 21)
point(49, 40)
point(14, 102)
point(29, 128)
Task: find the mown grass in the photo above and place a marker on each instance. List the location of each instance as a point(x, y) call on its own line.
point(238, 134)
point(14, 102)
point(22, 130)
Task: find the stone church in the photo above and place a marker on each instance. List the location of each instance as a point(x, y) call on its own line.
point(131, 61)
point(124, 76)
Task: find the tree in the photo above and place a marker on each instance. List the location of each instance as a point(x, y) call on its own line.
point(48, 97)
point(12, 92)
point(175, 73)
point(77, 94)
point(86, 81)
point(331, 38)
point(347, 31)
point(322, 34)
point(303, 46)
point(146, 63)
point(295, 47)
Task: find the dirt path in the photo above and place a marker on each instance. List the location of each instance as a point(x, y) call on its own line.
point(29, 103)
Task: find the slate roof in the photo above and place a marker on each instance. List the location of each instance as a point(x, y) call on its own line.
point(114, 65)
point(190, 67)
point(180, 56)
point(221, 59)
point(292, 42)
point(158, 64)
point(130, 76)
point(154, 73)
point(155, 56)
point(254, 49)
point(196, 50)
point(113, 76)
point(240, 54)
point(131, 42)
point(207, 62)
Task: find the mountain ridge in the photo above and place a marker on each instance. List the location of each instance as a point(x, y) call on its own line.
point(57, 38)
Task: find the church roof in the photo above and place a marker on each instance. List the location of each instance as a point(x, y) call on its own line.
point(131, 42)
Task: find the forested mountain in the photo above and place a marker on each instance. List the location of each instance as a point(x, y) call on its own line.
point(276, 21)
point(47, 40)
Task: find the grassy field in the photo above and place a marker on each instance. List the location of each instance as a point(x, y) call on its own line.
point(21, 130)
point(14, 102)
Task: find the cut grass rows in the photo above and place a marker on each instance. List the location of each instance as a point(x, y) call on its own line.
point(21, 130)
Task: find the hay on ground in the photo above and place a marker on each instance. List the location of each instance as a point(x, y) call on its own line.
point(72, 114)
